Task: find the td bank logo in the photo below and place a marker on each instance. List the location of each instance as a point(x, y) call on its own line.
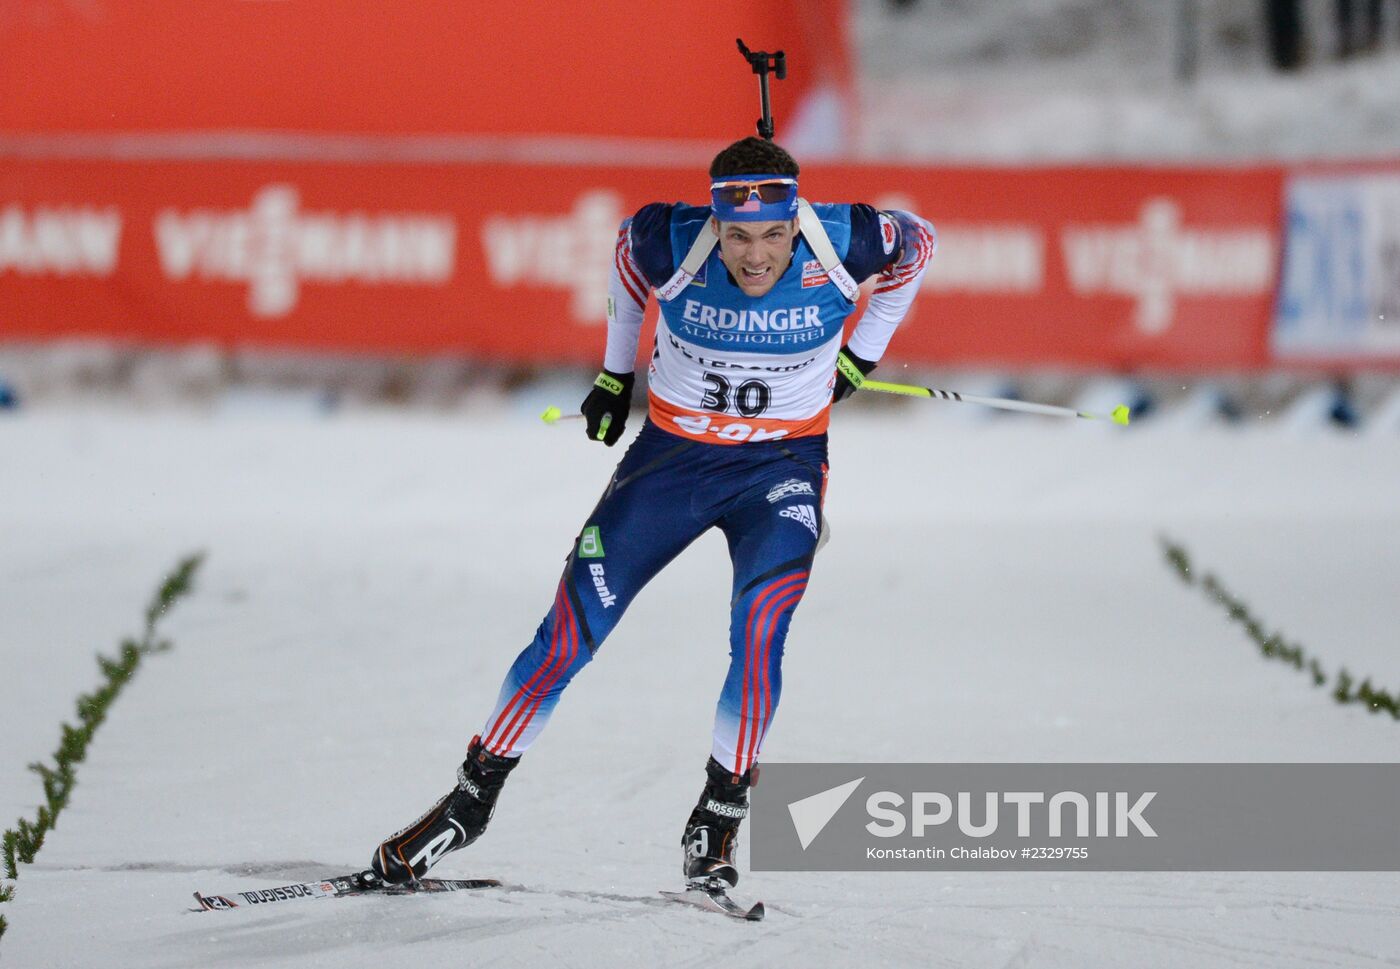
point(590, 543)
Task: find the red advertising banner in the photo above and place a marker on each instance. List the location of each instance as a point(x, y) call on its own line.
point(530, 68)
point(1083, 267)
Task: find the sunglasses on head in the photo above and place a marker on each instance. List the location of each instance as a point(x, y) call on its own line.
point(739, 193)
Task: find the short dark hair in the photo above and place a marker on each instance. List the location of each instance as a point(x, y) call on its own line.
point(753, 156)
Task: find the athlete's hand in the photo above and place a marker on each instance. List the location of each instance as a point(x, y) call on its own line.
point(850, 373)
point(607, 405)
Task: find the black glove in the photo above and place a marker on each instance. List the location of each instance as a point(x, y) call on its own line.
point(607, 405)
point(850, 373)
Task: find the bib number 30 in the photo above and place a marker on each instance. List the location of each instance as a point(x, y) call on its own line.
point(750, 399)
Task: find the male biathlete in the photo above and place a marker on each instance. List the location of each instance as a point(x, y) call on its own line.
point(753, 289)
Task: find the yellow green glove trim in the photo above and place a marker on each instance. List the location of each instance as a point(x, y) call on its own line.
point(849, 370)
point(611, 384)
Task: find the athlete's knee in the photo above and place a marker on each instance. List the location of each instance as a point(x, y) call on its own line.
point(772, 595)
point(758, 625)
point(563, 644)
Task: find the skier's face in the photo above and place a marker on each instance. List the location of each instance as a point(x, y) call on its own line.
point(756, 253)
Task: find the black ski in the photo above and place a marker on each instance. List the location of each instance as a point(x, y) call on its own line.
point(712, 896)
point(355, 883)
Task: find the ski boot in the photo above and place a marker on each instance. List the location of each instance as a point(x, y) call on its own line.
point(453, 822)
point(712, 833)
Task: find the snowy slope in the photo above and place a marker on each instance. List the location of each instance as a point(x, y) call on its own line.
point(992, 592)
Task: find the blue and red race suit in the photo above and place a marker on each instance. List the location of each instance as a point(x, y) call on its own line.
point(739, 392)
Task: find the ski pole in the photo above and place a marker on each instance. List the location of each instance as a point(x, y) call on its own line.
point(553, 415)
point(1119, 415)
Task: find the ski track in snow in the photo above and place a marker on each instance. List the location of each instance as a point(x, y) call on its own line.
point(993, 592)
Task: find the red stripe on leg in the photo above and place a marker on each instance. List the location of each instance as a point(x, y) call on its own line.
point(750, 674)
point(790, 592)
point(571, 641)
point(491, 741)
point(756, 740)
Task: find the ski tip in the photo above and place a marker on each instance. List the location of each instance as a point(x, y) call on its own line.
point(468, 884)
point(718, 902)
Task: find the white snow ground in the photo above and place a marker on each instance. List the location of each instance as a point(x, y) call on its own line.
point(993, 591)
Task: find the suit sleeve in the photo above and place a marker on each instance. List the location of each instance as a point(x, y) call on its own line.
point(906, 243)
point(641, 261)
